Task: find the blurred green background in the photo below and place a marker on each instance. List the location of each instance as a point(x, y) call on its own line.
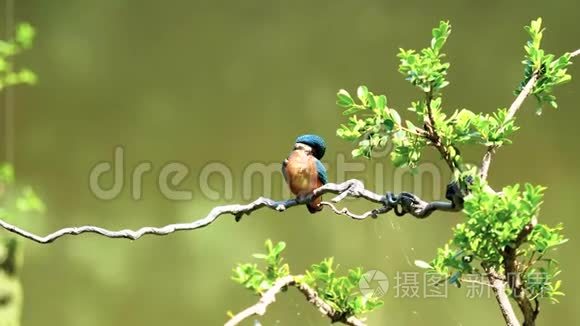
point(235, 82)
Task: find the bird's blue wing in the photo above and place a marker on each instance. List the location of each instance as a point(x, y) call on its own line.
point(322, 174)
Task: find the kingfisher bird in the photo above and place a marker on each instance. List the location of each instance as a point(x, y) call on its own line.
point(303, 170)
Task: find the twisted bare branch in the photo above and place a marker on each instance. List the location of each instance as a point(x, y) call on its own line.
point(402, 204)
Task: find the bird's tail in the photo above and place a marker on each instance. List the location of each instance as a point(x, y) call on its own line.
point(314, 206)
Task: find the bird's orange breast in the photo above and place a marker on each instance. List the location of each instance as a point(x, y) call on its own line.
point(301, 173)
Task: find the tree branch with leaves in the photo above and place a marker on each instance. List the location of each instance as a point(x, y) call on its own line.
point(500, 237)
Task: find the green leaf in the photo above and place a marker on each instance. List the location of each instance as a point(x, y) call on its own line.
point(422, 264)
point(26, 76)
point(344, 99)
point(353, 109)
point(357, 152)
point(396, 117)
point(25, 35)
point(280, 246)
point(29, 202)
point(381, 102)
point(389, 124)
point(440, 35)
point(362, 93)
point(424, 68)
point(548, 70)
point(6, 173)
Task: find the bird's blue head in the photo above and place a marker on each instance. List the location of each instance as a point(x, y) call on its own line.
point(316, 142)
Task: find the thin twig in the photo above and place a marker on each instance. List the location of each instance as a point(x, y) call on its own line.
point(311, 295)
point(486, 162)
point(432, 135)
point(513, 109)
point(404, 203)
point(267, 298)
point(324, 308)
point(417, 132)
point(345, 211)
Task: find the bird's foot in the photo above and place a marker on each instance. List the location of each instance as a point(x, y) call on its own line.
point(411, 203)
